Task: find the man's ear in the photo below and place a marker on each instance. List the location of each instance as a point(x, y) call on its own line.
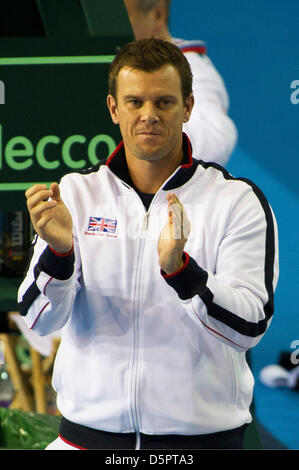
point(161, 13)
point(160, 19)
point(189, 103)
point(112, 106)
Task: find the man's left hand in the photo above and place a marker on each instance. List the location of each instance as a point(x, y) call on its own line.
point(174, 236)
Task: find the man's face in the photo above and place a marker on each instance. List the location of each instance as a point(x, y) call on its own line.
point(143, 24)
point(150, 112)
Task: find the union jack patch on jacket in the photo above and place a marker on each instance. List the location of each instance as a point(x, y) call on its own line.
point(101, 224)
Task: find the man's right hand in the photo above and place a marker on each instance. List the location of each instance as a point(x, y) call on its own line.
point(50, 217)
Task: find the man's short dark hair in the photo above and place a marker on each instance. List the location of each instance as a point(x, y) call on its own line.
point(150, 55)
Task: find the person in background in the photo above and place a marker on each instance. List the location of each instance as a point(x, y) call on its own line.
point(212, 132)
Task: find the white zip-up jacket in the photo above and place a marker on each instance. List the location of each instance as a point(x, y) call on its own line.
point(142, 351)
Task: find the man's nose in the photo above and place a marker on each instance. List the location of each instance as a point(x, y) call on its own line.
point(149, 113)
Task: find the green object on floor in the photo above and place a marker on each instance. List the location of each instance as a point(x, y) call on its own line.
point(26, 430)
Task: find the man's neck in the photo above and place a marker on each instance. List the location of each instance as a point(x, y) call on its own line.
point(149, 176)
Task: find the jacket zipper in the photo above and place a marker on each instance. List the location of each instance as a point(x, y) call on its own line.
point(134, 376)
point(134, 379)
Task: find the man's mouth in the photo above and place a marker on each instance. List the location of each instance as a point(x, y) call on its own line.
point(150, 133)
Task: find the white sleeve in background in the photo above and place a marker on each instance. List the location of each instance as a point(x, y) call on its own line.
point(212, 133)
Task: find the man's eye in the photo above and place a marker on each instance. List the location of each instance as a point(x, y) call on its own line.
point(135, 102)
point(164, 103)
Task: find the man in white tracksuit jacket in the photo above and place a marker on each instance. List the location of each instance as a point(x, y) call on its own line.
point(159, 268)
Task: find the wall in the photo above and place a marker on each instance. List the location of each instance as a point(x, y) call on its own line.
point(255, 45)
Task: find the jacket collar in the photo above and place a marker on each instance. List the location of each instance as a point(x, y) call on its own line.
point(118, 165)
